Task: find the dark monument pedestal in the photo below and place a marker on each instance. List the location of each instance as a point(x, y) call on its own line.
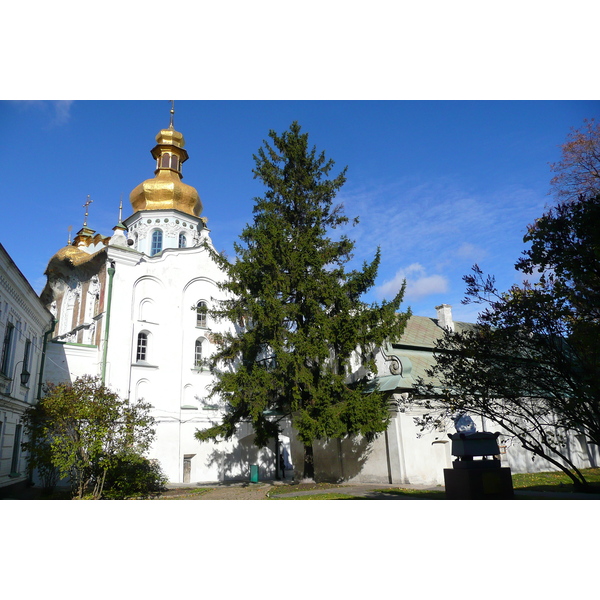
point(478, 480)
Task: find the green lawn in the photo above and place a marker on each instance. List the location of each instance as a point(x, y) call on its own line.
point(184, 493)
point(554, 481)
point(340, 495)
point(302, 487)
point(323, 496)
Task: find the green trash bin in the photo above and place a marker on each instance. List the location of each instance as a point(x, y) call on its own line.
point(253, 473)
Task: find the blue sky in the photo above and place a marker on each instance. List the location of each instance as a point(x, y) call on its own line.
point(438, 185)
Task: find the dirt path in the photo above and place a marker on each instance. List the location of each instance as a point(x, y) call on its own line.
point(221, 492)
point(246, 492)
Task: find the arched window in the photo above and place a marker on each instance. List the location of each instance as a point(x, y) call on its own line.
point(143, 390)
point(201, 309)
point(142, 346)
point(147, 311)
point(182, 240)
point(198, 353)
point(156, 242)
point(165, 161)
point(174, 162)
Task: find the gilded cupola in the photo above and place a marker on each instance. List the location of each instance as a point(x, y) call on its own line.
point(166, 190)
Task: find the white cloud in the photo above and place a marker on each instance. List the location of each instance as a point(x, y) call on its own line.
point(59, 111)
point(62, 111)
point(418, 283)
point(426, 286)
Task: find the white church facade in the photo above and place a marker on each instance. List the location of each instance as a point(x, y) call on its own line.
point(131, 308)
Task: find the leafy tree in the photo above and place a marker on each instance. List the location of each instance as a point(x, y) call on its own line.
point(83, 430)
point(301, 329)
point(532, 363)
point(578, 171)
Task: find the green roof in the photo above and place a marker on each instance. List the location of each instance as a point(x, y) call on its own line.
point(414, 350)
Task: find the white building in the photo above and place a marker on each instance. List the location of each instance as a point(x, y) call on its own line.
point(131, 309)
point(24, 323)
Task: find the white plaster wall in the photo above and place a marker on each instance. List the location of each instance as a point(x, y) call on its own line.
point(157, 295)
point(425, 455)
point(365, 462)
point(66, 362)
point(519, 460)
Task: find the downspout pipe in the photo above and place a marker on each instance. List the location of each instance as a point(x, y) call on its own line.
point(111, 274)
point(43, 361)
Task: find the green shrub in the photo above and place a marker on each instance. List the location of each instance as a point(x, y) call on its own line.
point(133, 476)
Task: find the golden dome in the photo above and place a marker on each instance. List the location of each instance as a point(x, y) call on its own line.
point(170, 136)
point(166, 190)
point(72, 255)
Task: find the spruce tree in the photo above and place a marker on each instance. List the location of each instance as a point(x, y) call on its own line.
point(304, 343)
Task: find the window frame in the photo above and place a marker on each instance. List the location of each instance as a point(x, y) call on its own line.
point(141, 354)
point(156, 245)
point(202, 315)
point(26, 360)
point(16, 453)
point(7, 343)
point(198, 353)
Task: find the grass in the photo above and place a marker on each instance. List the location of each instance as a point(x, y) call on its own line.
point(399, 492)
point(301, 487)
point(417, 494)
point(323, 496)
point(340, 495)
point(184, 493)
point(554, 481)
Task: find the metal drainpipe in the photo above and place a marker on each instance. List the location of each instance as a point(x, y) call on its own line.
point(43, 360)
point(111, 274)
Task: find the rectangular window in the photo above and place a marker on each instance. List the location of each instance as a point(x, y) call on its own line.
point(201, 310)
point(142, 346)
point(157, 239)
point(14, 464)
point(26, 359)
point(198, 354)
point(6, 348)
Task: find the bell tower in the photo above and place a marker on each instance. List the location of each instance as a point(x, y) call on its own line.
point(166, 210)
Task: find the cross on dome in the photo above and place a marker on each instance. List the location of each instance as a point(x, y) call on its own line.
point(89, 201)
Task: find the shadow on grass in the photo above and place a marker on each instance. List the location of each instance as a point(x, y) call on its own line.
point(417, 494)
point(555, 481)
point(385, 494)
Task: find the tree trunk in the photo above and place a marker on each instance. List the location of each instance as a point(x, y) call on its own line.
point(309, 462)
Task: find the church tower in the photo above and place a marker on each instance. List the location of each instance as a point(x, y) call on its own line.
point(166, 210)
